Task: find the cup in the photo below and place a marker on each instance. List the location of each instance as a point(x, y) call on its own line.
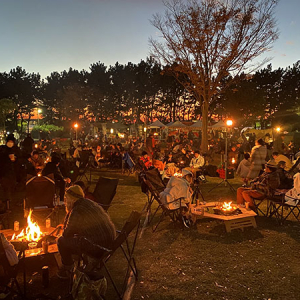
point(45, 246)
point(32, 245)
point(197, 203)
point(247, 205)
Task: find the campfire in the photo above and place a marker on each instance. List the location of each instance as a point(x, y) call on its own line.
point(177, 174)
point(227, 209)
point(32, 233)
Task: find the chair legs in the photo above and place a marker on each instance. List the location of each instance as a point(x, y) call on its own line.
point(277, 209)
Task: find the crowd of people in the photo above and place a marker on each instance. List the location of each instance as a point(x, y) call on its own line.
point(263, 168)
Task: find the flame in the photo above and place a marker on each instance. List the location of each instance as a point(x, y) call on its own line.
point(227, 206)
point(32, 232)
point(233, 160)
point(177, 174)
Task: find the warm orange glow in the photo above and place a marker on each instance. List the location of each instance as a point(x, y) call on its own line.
point(76, 125)
point(36, 145)
point(177, 174)
point(278, 129)
point(227, 206)
point(229, 122)
point(233, 160)
point(31, 233)
point(155, 133)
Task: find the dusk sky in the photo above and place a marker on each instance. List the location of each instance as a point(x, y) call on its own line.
point(43, 36)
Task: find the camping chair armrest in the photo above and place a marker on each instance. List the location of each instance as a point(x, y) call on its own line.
point(178, 199)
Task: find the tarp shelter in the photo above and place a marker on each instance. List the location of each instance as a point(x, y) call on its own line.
point(218, 126)
point(177, 124)
point(196, 125)
point(157, 124)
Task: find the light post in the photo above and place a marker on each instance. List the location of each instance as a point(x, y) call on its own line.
point(278, 129)
point(145, 132)
point(38, 115)
point(76, 126)
point(229, 124)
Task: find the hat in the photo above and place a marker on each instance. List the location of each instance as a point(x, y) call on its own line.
point(271, 164)
point(75, 191)
point(11, 137)
point(186, 172)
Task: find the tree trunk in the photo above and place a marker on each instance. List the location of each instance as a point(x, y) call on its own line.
point(204, 141)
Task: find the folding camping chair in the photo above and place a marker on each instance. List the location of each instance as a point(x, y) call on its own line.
point(97, 262)
point(174, 213)
point(258, 203)
point(154, 179)
point(85, 165)
point(8, 273)
point(282, 210)
point(105, 191)
point(40, 197)
point(127, 164)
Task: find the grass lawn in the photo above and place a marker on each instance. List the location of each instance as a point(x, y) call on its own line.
point(203, 262)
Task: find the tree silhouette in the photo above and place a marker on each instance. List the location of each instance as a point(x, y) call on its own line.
point(207, 40)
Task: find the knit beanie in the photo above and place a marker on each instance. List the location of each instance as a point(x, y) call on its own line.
point(73, 193)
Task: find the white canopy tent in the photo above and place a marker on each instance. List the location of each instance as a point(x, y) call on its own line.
point(177, 124)
point(218, 126)
point(156, 124)
point(196, 125)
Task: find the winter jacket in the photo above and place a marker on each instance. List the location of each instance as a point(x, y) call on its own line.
point(258, 159)
point(243, 168)
point(88, 219)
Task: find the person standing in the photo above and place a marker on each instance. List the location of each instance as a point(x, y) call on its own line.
point(150, 144)
point(8, 167)
point(280, 157)
point(28, 144)
point(257, 158)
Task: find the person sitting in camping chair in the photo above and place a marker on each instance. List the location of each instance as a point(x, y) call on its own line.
point(178, 188)
point(261, 187)
point(145, 161)
point(178, 195)
point(37, 161)
point(85, 219)
point(196, 163)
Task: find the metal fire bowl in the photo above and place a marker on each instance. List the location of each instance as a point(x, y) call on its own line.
point(233, 212)
point(23, 245)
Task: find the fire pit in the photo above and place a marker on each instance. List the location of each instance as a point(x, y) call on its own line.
point(31, 234)
point(177, 174)
point(227, 209)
